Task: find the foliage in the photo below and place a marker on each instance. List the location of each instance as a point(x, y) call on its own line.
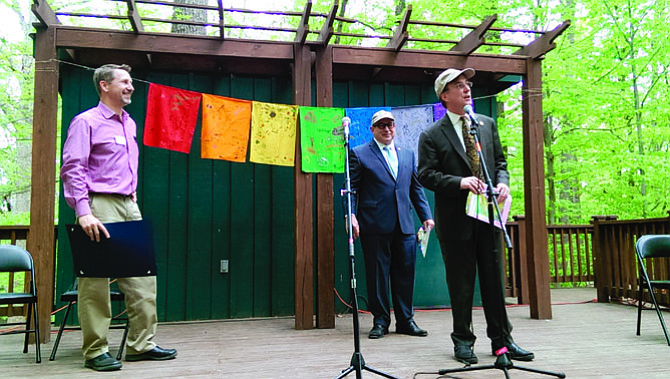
point(16, 79)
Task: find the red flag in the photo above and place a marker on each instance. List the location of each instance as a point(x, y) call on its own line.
point(171, 117)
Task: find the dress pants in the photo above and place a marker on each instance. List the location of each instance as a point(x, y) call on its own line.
point(94, 304)
point(390, 259)
point(463, 260)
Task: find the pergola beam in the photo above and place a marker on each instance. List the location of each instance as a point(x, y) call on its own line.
point(303, 29)
point(401, 35)
point(134, 17)
point(327, 29)
point(475, 38)
point(44, 13)
point(429, 60)
point(68, 37)
point(222, 25)
point(544, 44)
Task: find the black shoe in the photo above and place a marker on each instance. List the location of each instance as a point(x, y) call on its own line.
point(411, 328)
point(155, 354)
point(103, 362)
point(465, 354)
point(378, 331)
point(517, 353)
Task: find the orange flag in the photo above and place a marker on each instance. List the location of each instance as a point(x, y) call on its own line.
point(225, 128)
point(171, 117)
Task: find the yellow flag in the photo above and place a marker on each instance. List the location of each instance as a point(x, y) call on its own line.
point(273, 133)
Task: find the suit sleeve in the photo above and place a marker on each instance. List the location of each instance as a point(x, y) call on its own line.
point(418, 196)
point(355, 180)
point(430, 173)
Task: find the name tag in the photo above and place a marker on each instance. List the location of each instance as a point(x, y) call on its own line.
point(121, 140)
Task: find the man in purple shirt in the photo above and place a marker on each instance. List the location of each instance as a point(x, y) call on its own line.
point(99, 175)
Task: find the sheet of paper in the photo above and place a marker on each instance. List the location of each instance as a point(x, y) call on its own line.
point(476, 206)
point(422, 237)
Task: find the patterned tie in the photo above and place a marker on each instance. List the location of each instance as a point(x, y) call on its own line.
point(392, 161)
point(470, 150)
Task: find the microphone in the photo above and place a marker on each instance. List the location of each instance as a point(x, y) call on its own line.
point(346, 121)
point(468, 109)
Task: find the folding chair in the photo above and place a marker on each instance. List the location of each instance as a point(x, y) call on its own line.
point(646, 247)
point(70, 297)
point(17, 259)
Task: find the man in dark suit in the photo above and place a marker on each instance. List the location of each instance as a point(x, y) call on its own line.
point(385, 187)
point(468, 246)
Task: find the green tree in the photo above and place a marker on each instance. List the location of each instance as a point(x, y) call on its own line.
point(16, 79)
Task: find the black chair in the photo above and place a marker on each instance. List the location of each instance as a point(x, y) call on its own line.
point(17, 259)
point(70, 297)
point(646, 247)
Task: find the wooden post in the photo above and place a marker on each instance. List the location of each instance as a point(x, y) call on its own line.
point(40, 241)
point(533, 152)
point(325, 306)
point(304, 277)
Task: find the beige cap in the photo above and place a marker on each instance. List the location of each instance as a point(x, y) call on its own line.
point(448, 75)
point(381, 115)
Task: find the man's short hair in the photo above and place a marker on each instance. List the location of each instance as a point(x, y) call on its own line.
point(106, 73)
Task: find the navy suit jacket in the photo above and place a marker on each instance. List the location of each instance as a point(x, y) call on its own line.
point(379, 200)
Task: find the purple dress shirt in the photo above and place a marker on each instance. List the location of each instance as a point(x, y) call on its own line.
point(100, 155)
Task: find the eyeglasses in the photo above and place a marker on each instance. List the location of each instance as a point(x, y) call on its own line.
point(461, 85)
point(384, 125)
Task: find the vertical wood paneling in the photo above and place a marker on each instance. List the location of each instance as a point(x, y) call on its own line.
point(154, 202)
point(177, 224)
point(242, 234)
point(262, 190)
point(221, 224)
point(282, 287)
point(69, 108)
point(199, 258)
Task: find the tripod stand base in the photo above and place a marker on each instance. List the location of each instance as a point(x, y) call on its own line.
point(502, 363)
point(358, 365)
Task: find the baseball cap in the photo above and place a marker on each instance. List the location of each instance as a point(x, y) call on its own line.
point(381, 115)
point(448, 75)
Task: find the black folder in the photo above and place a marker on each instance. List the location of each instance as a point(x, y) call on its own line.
point(128, 252)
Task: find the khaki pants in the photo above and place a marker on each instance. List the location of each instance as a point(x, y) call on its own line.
point(140, 292)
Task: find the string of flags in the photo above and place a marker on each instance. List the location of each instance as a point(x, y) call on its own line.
point(231, 127)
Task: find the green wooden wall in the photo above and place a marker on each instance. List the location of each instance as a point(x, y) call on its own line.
point(204, 211)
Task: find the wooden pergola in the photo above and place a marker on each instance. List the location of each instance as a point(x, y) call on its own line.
point(309, 53)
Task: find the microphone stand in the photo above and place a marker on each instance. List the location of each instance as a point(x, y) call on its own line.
point(357, 362)
point(503, 361)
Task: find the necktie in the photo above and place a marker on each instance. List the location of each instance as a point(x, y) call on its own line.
point(392, 161)
point(470, 150)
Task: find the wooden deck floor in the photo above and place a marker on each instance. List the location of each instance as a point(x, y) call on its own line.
point(583, 340)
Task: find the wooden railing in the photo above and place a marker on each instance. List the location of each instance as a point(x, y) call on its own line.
point(570, 253)
point(14, 235)
point(615, 260)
